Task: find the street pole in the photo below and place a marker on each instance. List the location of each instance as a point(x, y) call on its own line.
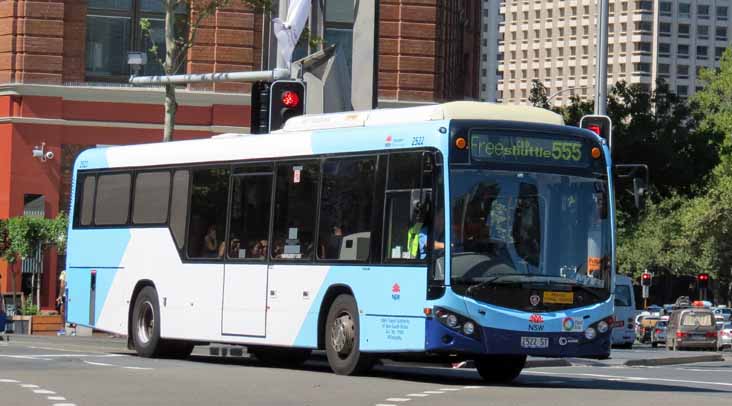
point(601, 73)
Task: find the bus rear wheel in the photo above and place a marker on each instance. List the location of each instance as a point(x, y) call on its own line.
point(500, 368)
point(146, 324)
point(342, 345)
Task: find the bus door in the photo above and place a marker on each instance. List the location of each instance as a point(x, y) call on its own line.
point(245, 271)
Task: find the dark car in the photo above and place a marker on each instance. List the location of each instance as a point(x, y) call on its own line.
point(692, 328)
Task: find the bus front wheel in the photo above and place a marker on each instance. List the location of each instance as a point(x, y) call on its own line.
point(146, 323)
point(342, 345)
point(500, 368)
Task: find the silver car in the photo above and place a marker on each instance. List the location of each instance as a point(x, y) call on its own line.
point(725, 336)
point(658, 334)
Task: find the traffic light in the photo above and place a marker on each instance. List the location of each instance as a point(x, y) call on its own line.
point(287, 100)
point(702, 280)
point(646, 279)
point(600, 125)
point(259, 122)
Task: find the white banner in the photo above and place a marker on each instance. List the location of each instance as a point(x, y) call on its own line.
point(288, 31)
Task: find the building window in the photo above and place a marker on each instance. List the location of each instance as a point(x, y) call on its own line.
point(113, 29)
point(644, 6)
point(718, 51)
point(339, 28)
point(642, 47)
point(666, 8)
point(682, 71)
point(664, 29)
point(683, 30)
point(702, 11)
point(702, 52)
point(682, 50)
point(664, 49)
point(702, 32)
point(682, 90)
point(642, 68)
point(684, 10)
point(722, 13)
point(664, 69)
point(721, 34)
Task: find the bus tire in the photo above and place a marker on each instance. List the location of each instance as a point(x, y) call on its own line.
point(146, 324)
point(283, 357)
point(500, 368)
point(342, 345)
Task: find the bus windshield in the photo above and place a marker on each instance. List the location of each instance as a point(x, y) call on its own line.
point(513, 227)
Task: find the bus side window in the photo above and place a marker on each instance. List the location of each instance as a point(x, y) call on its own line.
point(86, 199)
point(207, 225)
point(346, 208)
point(113, 199)
point(408, 206)
point(152, 191)
point(296, 200)
point(179, 206)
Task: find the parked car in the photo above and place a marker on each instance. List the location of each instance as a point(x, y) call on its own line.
point(725, 336)
point(658, 335)
point(725, 312)
point(623, 335)
point(693, 327)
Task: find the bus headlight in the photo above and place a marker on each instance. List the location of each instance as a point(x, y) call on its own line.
point(602, 327)
point(456, 322)
point(452, 321)
point(468, 328)
point(590, 333)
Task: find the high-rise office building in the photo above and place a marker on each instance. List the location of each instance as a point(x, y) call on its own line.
point(554, 41)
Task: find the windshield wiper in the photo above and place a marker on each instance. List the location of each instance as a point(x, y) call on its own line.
point(495, 279)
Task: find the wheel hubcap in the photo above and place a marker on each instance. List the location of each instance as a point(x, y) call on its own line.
point(145, 322)
point(343, 334)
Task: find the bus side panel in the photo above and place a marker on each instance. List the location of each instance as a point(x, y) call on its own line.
point(94, 256)
point(390, 301)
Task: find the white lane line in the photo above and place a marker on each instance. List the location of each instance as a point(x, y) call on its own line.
point(450, 389)
point(99, 364)
point(398, 399)
point(9, 381)
point(630, 378)
point(139, 368)
point(28, 385)
point(64, 404)
point(433, 392)
point(418, 395)
point(56, 398)
point(472, 387)
point(384, 404)
point(44, 392)
point(30, 357)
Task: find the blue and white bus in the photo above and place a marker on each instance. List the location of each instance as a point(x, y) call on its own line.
point(458, 231)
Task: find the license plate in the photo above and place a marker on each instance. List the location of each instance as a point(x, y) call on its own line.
point(619, 323)
point(534, 342)
point(559, 297)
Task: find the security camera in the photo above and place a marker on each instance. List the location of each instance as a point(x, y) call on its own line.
point(49, 155)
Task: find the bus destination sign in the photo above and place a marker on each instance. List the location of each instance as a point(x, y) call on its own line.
point(528, 150)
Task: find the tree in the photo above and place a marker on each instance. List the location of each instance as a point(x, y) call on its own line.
point(180, 34)
point(538, 96)
point(577, 107)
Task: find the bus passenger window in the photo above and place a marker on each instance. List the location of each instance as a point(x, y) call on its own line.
point(87, 200)
point(113, 199)
point(295, 209)
point(207, 225)
point(152, 191)
point(346, 209)
point(179, 207)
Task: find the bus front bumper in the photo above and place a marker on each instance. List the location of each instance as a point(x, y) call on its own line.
point(489, 340)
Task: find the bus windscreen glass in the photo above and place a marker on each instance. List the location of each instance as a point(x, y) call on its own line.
point(516, 149)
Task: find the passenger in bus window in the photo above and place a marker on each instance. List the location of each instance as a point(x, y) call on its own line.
point(259, 250)
point(210, 245)
point(332, 247)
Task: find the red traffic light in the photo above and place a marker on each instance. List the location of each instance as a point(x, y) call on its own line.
point(595, 129)
point(646, 276)
point(290, 99)
point(703, 277)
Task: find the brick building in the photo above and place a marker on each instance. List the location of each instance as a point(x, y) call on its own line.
point(63, 75)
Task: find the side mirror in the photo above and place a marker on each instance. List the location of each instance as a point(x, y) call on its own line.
point(640, 175)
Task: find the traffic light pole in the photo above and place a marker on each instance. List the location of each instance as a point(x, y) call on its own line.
point(601, 57)
point(251, 76)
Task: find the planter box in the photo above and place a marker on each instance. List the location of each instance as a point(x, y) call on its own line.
point(46, 325)
point(20, 325)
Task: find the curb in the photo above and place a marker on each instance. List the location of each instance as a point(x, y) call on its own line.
point(673, 360)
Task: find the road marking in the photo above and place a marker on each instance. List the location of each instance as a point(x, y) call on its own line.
point(56, 398)
point(44, 392)
point(418, 395)
point(9, 381)
point(28, 385)
point(433, 392)
point(398, 399)
point(31, 357)
point(450, 389)
point(100, 364)
point(384, 404)
point(472, 387)
point(64, 404)
point(139, 368)
point(629, 378)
